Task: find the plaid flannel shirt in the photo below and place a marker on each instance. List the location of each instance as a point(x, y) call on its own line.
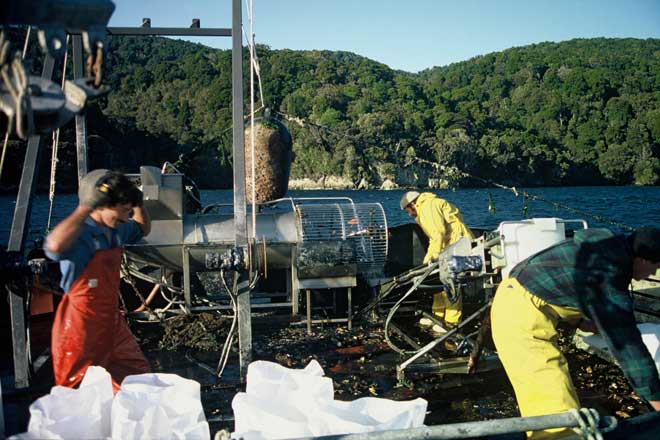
point(592, 272)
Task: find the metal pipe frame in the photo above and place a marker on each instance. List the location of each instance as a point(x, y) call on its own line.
point(456, 365)
point(570, 419)
point(228, 307)
point(27, 185)
point(403, 335)
point(17, 238)
point(309, 321)
point(187, 294)
point(400, 369)
point(434, 319)
point(167, 31)
point(240, 211)
point(2, 414)
point(162, 31)
point(240, 215)
point(81, 120)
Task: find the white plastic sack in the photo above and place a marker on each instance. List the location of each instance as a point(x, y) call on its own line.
point(650, 336)
point(269, 380)
point(158, 405)
point(282, 403)
point(163, 406)
point(68, 413)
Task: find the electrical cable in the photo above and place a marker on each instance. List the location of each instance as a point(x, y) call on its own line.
point(396, 306)
point(226, 348)
point(170, 300)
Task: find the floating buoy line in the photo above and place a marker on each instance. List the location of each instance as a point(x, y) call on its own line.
point(525, 196)
point(456, 172)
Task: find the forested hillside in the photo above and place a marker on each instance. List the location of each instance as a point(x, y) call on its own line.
point(576, 112)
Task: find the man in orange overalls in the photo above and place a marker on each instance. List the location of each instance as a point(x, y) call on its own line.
point(88, 328)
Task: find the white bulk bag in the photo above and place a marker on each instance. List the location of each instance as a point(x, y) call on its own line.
point(68, 413)
point(283, 403)
point(158, 405)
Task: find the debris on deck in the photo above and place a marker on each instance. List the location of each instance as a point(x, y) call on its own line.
point(360, 365)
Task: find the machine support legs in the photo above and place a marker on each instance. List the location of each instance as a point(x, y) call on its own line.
point(308, 296)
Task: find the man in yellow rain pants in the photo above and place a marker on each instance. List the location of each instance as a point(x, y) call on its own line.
point(443, 225)
point(583, 282)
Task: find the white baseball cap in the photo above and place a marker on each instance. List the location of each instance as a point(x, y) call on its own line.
point(408, 198)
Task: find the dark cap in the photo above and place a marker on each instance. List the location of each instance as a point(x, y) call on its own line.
point(646, 243)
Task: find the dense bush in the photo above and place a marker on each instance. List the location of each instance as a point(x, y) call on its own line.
point(584, 111)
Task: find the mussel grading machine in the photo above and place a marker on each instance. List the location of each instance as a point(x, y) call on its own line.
point(319, 243)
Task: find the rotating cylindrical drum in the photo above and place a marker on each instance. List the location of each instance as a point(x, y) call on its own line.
point(336, 234)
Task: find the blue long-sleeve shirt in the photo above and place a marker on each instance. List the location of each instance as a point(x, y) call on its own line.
point(93, 237)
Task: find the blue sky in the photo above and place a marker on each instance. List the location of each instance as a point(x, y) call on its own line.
point(410, 35)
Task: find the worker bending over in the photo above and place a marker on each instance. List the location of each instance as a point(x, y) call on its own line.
point(443, 225)
point(583, 278)
point(88, 328)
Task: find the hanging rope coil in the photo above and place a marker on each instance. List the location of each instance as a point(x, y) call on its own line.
point(16, 81)
point(15, 65)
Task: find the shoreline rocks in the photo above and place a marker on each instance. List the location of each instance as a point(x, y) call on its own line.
point(324, 182)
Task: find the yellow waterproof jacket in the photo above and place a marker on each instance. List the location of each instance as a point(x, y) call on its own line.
point(441, 222)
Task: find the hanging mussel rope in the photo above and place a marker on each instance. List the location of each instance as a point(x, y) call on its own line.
point(273, 154)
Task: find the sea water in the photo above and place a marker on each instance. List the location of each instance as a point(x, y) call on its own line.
point(484, 208)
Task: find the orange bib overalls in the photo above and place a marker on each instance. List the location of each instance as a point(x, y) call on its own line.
point(90, 330)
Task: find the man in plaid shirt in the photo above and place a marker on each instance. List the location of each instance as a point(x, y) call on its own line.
point(584, 282)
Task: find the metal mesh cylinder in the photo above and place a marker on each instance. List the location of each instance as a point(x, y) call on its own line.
point(352, 233)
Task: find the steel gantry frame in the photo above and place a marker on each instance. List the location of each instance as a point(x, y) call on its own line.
point(28, 181)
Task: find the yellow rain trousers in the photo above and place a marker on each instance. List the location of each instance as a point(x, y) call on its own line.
point(443, 308)
point(443, 225)
point(524, 332)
